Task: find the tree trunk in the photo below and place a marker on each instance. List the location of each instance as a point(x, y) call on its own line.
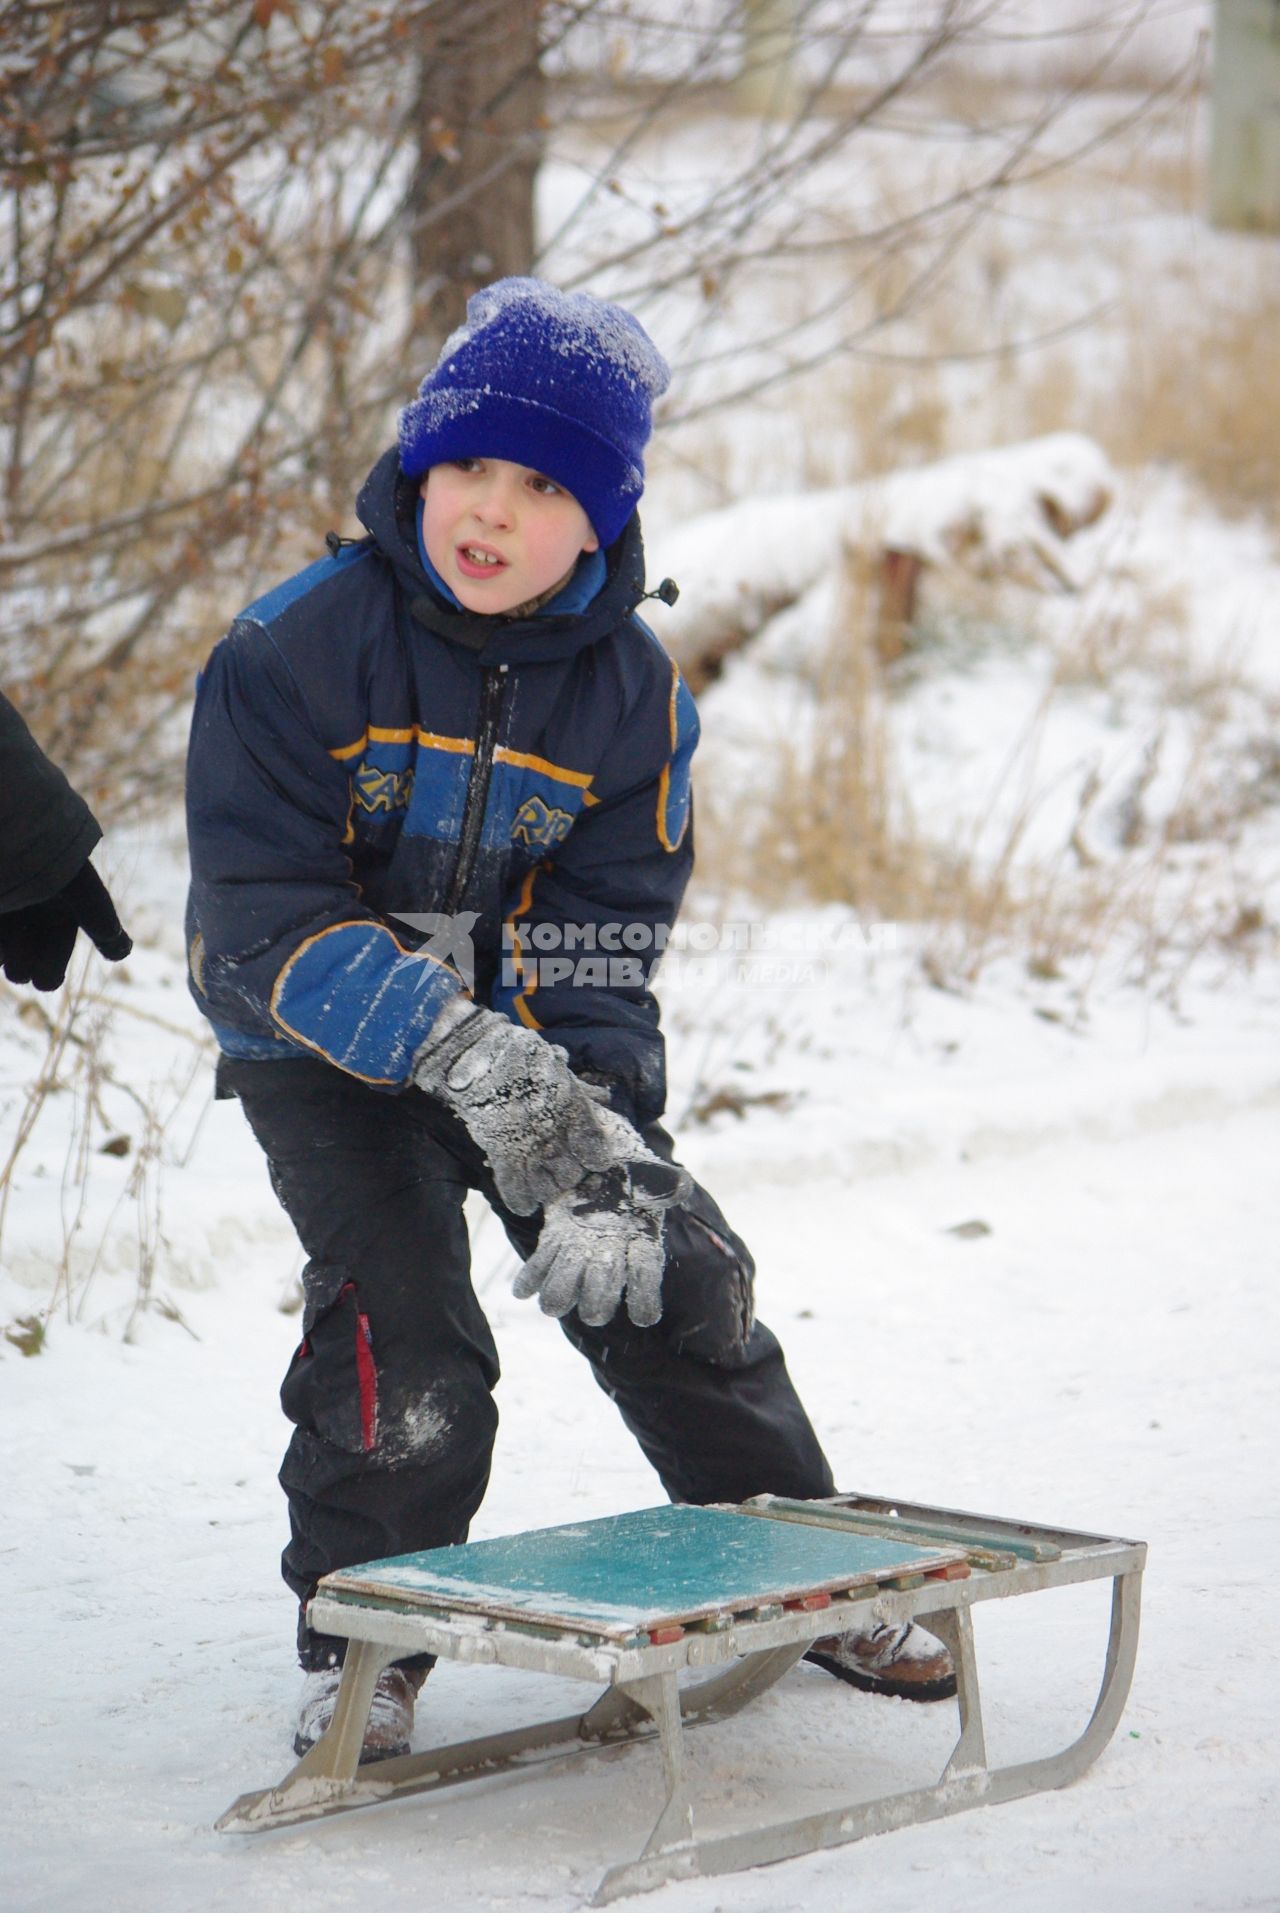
point(480, 134)
point(1244, 164)
point(766, 83)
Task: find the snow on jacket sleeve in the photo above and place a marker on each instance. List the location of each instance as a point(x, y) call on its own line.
point(47, 831)
point(281, 945)
point(588, 925)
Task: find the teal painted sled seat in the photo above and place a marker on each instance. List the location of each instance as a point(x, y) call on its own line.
point(685, 1615)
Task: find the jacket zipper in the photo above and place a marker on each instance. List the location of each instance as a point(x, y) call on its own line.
point(492, 688)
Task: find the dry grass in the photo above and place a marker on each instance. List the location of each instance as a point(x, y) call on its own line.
point(1175, 371)
point(1196, 388)
point(70, 1092)
point(1180, 373)
point(1136, 881)
point(835, 824)
point(1207, 397)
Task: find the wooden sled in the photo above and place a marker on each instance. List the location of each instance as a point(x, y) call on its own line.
point(728, 1598)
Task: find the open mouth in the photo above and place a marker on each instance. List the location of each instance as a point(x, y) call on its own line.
point(477, 561)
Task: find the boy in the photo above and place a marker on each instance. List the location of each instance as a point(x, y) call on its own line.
point(458, 725)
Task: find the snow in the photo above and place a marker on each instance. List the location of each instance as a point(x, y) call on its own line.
point(998, 508)
point(1101, 1358)
point(576, 325)
point(1016, 1228)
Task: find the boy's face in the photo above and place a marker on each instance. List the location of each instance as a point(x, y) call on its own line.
point(500, 534)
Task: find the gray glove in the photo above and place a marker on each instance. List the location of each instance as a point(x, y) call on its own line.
point(604, 1239)
point(541, 1130)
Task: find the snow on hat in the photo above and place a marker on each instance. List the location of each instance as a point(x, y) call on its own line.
point(560, 381)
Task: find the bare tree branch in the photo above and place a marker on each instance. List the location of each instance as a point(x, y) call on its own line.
point(238, 228)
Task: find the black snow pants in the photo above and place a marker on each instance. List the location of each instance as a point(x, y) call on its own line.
point(391, 1388)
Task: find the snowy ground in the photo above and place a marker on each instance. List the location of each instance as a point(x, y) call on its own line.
point(1101, 1358)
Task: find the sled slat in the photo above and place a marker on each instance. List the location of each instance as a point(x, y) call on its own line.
point(637, 1573)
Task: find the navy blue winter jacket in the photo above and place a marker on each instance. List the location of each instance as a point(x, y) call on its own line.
point(362, 750)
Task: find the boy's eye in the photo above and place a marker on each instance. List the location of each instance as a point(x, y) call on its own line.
point(466, 464)
point(547, 486)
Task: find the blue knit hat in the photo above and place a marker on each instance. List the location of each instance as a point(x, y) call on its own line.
point(560, 381)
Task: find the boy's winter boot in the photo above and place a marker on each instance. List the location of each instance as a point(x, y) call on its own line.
point(390, 1716)
point(897, 1659)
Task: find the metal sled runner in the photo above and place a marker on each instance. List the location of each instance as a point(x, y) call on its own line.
point(730, 1598)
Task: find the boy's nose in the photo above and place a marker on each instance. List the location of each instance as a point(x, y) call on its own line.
point(496, 504)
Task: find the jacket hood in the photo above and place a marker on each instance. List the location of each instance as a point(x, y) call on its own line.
point(387, 507)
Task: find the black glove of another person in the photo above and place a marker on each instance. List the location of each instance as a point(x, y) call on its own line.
point(36, 941)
